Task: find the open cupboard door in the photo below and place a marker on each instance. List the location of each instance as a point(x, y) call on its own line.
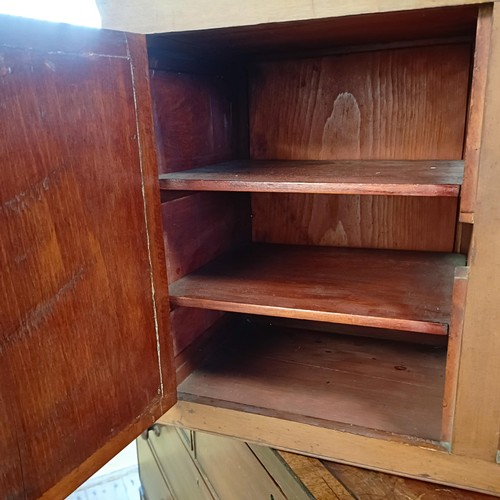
point(85, 351)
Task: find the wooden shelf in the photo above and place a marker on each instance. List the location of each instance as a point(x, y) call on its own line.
point(390, 289)
point(408, 178)
point(324, 379)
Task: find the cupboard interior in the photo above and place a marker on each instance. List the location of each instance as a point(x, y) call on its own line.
point(310, 176)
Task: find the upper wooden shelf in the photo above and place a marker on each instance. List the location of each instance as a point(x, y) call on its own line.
point(390, 289)
point(381, 177)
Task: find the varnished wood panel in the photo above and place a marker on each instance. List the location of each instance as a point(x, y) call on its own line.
point(390, 104)
point(196, 119)
point(201, 226)
point(367, 383)
point(378, 288)
point(188, 323)
point(79, 267)
point(394, 222)
point(408, 178)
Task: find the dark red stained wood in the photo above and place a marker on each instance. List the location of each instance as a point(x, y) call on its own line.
point(363, 221)
point(325, 34)
point(85, 355)
point(300, 374)
point(387, 104)
point(409, 178)
point(202, 226)
point(386, 289)
point(195, 119)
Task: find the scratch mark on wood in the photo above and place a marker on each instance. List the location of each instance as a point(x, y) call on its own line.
point(34, 318)
point(22, 201)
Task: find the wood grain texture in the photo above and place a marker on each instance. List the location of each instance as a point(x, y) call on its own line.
point(366, 383)
point(196, 119)
point(155, 16)
point(418, 460)
point(78, 267)
point(202, 226)
point(365, 484)
point(316, 478)
point(402, 104)
point(385, 289)
point(188, 323)
point(476, 110)
point(392, 222)
point(234, 471)
point(409, 178)
point(326, 35)
point(477, 412)
point(454, 351)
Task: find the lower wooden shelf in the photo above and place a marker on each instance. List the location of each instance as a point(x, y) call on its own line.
point(324, 379)
point(398, 290)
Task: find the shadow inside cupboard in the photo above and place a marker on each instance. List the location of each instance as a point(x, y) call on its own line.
point(311, 174)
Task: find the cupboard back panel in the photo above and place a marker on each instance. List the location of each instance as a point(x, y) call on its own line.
point(407, 103)
point(392, 222)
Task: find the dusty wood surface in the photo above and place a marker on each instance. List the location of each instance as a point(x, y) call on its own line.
point(381, 385)
point(408, 178)
point(386, 289)
point(79, 266)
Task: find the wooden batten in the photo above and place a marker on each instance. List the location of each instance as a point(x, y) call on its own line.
point(476, 113)
point(454, 352)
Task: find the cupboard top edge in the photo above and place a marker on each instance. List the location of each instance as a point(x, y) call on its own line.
point(155, 16)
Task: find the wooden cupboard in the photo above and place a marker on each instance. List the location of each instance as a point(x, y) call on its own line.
point(325, 276)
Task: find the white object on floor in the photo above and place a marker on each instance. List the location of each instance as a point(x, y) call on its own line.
point(117, 480)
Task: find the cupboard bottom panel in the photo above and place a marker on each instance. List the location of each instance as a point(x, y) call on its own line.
point(334, 379)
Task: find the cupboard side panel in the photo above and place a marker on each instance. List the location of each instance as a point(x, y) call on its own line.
point(78, 341)
point(397, 222)
point(196, 119)
point(202, 226)
point(477, 411)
